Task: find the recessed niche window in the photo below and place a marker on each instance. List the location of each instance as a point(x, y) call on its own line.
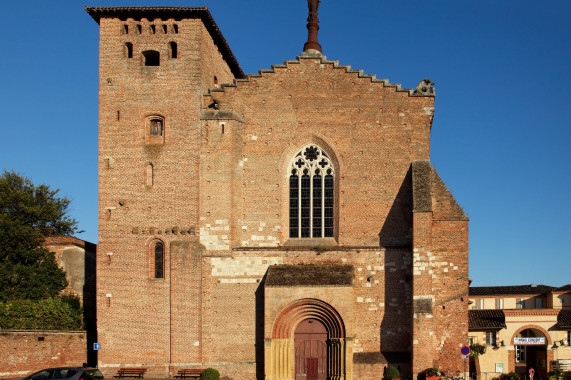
point(154, 129)
point(156, 126)
point(153, 29)
point(126, 29)
point(164, 29)
point(215, 82)
point(128, 50)
point(175, 28)
point(152, 58)
point(139, 29)
point(173, 50)
point(311, 185)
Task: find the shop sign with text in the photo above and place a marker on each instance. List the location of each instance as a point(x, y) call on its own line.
point(521, 341)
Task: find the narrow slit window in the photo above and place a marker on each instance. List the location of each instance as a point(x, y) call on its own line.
point(215, 82)
point(128, 50)
point(159, 257)
point(153, 29)
point(311, 194)
point(126, 29)
point(139, 29)
point(175, 28)
point(164, 29)
point(150, 175)
point(152, 58)
point(173, 50)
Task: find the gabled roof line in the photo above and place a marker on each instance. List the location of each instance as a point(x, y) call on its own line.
point(323, 60)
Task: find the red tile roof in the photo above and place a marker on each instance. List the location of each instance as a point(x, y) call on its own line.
point(509, 290)
point(486, 320)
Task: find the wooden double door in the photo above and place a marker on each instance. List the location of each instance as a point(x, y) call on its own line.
point(310, 341)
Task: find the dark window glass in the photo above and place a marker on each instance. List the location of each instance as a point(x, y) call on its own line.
point(305, 205)
point(311, 196)
point(317, 206)
point(293, 206)
point(328, 210)
point(159, 260)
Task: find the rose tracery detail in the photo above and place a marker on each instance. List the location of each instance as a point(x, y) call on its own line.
point(311, 194)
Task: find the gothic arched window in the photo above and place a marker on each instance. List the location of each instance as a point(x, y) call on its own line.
point(159, 258)
point(311, 183)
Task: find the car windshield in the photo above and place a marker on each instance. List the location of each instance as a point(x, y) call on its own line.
point(42, 375)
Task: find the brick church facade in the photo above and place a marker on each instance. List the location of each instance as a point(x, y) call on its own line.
point(283, 225)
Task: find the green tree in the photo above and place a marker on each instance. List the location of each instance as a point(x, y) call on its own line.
point(30, 213)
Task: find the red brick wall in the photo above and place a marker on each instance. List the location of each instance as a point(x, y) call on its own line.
point(24, 352)
point(219, 201)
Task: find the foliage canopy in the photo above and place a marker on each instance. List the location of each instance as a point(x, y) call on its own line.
point(29, 213)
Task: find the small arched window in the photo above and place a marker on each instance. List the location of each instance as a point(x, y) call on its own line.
point(311, 192)
point(159, 259)
point(173, 50)
point(152, 58)
point(128, 50)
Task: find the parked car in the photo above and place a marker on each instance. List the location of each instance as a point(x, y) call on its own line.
point(94, 372)
point(68, 373)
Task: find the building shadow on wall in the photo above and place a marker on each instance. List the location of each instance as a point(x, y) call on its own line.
point(90, 302)
point(396, 237)
point(260, 322)
point(397, 229)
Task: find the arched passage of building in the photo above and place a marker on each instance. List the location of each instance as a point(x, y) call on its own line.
point(531, 351)
point(282, 350)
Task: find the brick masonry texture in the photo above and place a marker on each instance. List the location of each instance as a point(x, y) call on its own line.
point(215, 191)
point(24, 352)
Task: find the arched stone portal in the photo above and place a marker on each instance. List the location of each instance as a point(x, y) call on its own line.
point(530, 350)
point(281, 348)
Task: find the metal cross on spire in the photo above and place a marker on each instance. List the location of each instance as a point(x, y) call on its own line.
point(312, 27)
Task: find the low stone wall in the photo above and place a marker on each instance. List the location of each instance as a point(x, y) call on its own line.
point(25, 351)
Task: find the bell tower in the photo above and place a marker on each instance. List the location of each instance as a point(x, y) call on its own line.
point(155, 63)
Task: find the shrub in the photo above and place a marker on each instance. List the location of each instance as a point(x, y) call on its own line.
point(391, 373)
point(210, 374)
point(556, 373)
point(477, 349)
point(431, 372)
point(61, 313)
point(511, 376)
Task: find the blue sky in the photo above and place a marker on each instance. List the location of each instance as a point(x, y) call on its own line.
point(500, 135)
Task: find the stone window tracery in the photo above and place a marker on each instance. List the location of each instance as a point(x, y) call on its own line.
point(311, 185)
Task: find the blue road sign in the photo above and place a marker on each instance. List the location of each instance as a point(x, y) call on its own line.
point(465, 350)
point(96, 346)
